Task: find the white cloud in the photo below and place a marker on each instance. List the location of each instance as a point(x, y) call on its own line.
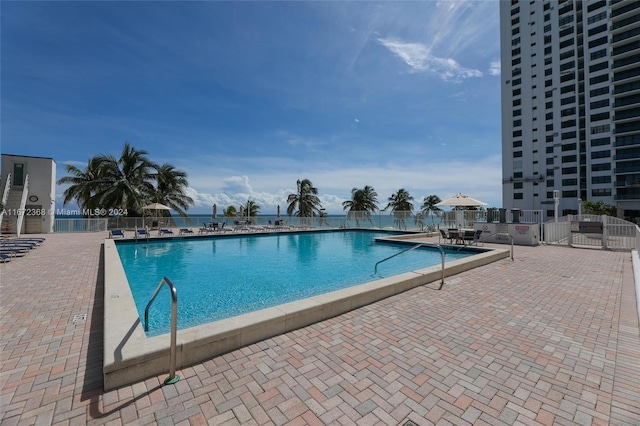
point(419, 58)
point(495, 68)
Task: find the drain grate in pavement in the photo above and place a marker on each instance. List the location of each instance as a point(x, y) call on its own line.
point(79, 318)
point(410, 423)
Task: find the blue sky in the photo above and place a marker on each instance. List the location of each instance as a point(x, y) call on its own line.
point(248, 97)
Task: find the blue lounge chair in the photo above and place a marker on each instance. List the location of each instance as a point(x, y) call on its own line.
point(165, 231)
point(140, 233)
point(4, 258)
point(116, 233)
point(186, 231)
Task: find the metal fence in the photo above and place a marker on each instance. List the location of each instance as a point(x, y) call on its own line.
point(80, 225)
point(405, 221)
point(598, 231)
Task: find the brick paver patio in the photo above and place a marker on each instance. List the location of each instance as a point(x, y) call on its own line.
point(550, 338)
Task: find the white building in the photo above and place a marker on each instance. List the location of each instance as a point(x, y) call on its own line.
point(40, 193)
point(570, 104)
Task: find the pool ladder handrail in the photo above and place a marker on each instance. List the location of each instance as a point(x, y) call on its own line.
point(173, 378)
point(375, 269)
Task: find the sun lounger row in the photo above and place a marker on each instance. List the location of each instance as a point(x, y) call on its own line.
point(11, 248)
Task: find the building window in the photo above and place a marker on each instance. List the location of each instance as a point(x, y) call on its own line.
point(517, 196)
point(600, 167)
point(550, 161)
point(601, 192)
point(517, 185)
point(570, 194)
point(600, 179)
point(600, 129)
point(598, 54)
point(569, 159)
point(600, 116)
point(599, 91)
point(600, 141)
point(601, 154)
point(599, 104)
point(517, 154)
point(597, 42)
point(599, 79)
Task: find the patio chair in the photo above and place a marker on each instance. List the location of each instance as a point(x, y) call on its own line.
point(468, 236)
point(4, 258)
point(476, 238)
point(165, 231)
point(186, 231)
point(116, 233)
point(445, 236)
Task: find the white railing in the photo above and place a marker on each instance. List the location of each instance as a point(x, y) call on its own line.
point(572, 230)
point(81, 225)
point(400, 221)
point(23, 203)
point(5, 196)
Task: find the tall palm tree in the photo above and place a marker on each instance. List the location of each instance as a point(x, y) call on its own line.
point(170, 188)
point(429, 207)
point(126, 183)
point(252, 208)
point(230, 212)
point(305, 200)
point(401, 206)
point(128, 180)
point(84, 184)
point(363, 202)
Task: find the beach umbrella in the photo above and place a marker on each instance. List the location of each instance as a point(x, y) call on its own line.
point(460, 200)
point(156, 207)
point(215, 211)
point(278, 211)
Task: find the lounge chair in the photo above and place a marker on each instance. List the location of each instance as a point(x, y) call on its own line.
point(116, 233)
point(4, 258)
point(165, 231)
point(186, 231)
point(142, 233)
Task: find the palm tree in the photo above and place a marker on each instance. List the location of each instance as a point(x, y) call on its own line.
point(363, 202)
point(252, 208)
point(84, 185)
point(127, 181)
point(230, 212)
point(305, 200)
point(429, 207)
point(401, 207)
point(170, 189)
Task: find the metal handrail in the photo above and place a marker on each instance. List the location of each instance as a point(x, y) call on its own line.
point(375, 269)
point(173, 378)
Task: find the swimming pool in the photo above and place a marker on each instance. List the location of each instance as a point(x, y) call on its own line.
point(220, 278)
point(130, 355)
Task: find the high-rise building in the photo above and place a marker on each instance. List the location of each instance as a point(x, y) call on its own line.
point(570, 104)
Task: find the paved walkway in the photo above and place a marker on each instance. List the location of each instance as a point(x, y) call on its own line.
point(550, 338)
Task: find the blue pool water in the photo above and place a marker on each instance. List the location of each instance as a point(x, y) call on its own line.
point(222, 277)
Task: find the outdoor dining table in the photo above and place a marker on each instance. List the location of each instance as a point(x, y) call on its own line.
point(459, 234)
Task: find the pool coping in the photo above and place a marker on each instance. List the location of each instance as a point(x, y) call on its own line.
point(129, 356)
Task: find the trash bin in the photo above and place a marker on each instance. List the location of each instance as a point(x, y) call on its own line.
point(502, 215)
point(515, 215)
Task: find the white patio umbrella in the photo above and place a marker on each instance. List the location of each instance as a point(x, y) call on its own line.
point(460, 200)
point(156, 207)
